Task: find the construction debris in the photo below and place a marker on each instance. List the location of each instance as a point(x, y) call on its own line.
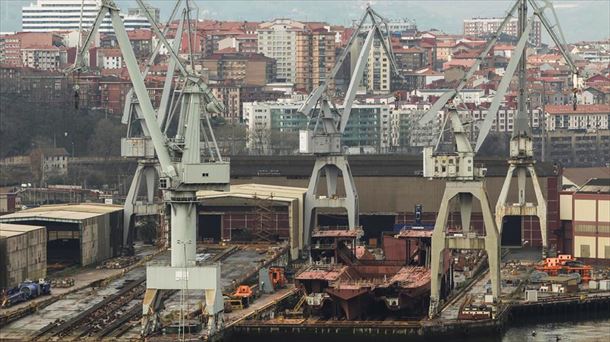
point(62, 283)
point(118, 263)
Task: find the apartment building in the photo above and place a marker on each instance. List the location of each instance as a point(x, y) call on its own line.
point(586, 117)
point(487, 26)
point(109, 58)
point(396, 25)
point(44, 58)
point(369, 125)
point(233, 97)
point(13, 44)
point(378, 72)
point(315, 58)
point(65, 15)
point(277, 39)
point(241, 68)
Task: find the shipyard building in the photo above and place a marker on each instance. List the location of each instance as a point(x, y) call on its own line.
point(81, 234)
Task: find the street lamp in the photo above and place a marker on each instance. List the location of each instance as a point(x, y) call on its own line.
point(184, 296)
point(71, 141)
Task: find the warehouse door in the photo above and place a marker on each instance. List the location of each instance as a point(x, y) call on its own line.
point(209, 227)
point(511, 231)
point(334, 221)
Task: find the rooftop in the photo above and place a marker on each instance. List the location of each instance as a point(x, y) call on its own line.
point(581, 175)
point(63, 212)
point(10, 229)
point(596, 185)
point(580, 109)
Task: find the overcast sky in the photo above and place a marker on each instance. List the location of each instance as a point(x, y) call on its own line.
point(580, 19)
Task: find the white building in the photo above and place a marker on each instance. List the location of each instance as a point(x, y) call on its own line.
point(486, 26)
point(278, 40)
point(369, 124)
point(65, 15)
point(396, 25)
point(49, 58)
point(109, 58)
point(476, 96)
point(378, 75)
point(590, 117)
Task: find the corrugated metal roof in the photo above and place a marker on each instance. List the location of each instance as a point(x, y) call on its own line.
point(23, 228)
point(10, 233)
point(70, 212)
point(581, 175)
point(596, 185)
point(256, 190)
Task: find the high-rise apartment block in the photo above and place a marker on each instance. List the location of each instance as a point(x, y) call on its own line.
point(278, 39)
point(66, 15)
point(315, 58)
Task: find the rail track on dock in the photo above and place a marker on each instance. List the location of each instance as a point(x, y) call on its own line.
point(102, 318)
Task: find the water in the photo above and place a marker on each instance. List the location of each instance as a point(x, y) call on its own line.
point(589, 329)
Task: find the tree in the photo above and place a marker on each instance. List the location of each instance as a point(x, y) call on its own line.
point(106, 139)
point(231, 138)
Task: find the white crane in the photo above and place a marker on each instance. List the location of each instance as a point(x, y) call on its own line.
point(324, 140)
point(521, 159)
point(465, 180)
point(183, 172)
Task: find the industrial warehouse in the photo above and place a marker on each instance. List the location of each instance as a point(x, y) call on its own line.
point(352, 198)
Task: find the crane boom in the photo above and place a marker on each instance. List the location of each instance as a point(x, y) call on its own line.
point(503, 86)
point(440, 103)
point(518, 54)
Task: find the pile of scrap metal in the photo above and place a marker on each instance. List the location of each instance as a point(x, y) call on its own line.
point(25, 291)
point(120, 262)
point(343, 280)
point(62, 282)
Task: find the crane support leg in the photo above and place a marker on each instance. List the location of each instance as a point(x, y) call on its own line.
point(522, 207)
point(465, 192)
point(331, 166)
point(146, 171)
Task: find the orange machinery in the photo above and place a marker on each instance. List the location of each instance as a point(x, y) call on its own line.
point(565, 263)
point(277, 276)
point(244, 293)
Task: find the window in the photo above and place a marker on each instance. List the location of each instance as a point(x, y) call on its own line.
point(585, 251)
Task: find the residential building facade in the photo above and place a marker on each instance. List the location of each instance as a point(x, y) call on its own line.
point(277, 39)
point(65, 15)
point(369, 125)
point(315, 58)
point(488, 26)
point(241, 68)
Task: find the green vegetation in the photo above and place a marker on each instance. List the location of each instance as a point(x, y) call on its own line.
point(25, 125)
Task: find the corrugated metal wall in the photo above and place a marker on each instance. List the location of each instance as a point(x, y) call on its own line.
point(23, 255)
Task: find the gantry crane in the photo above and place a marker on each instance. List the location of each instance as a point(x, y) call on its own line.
point(521, 159)
point(183, 172)
point(138, 144)
point(324, 140)
point(464, 179)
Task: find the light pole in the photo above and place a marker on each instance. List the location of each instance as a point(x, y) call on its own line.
point(71, 142)
point(184, 297)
